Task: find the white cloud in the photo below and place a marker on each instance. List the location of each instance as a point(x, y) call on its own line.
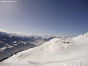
point(2, 30)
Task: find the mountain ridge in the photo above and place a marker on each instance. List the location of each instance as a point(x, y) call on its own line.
point(14, 43)
point(57, 51)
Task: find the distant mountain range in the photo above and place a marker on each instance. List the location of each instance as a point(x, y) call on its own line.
point(12, 43)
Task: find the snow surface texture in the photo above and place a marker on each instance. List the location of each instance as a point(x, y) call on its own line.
point(56, 52)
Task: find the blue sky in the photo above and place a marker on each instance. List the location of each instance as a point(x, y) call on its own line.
point(45, 17)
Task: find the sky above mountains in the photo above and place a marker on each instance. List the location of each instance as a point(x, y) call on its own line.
point(45, 17)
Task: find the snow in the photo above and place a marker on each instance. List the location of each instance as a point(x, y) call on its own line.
point(56, 52)
point(3, 48)
point(1, 42)
point(10, 46)
point(15, 42)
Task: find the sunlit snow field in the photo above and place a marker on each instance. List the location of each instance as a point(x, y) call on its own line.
point(55, 52)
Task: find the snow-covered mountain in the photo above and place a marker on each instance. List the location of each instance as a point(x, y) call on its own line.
point(14, 43)
point(55, 52)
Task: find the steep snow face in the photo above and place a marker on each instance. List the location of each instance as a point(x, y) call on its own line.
point(57, 51)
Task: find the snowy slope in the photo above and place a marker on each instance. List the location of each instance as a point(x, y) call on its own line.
point(56, 52)
point(14, 43)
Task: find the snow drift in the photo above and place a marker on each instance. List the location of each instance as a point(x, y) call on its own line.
point(56, 52)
